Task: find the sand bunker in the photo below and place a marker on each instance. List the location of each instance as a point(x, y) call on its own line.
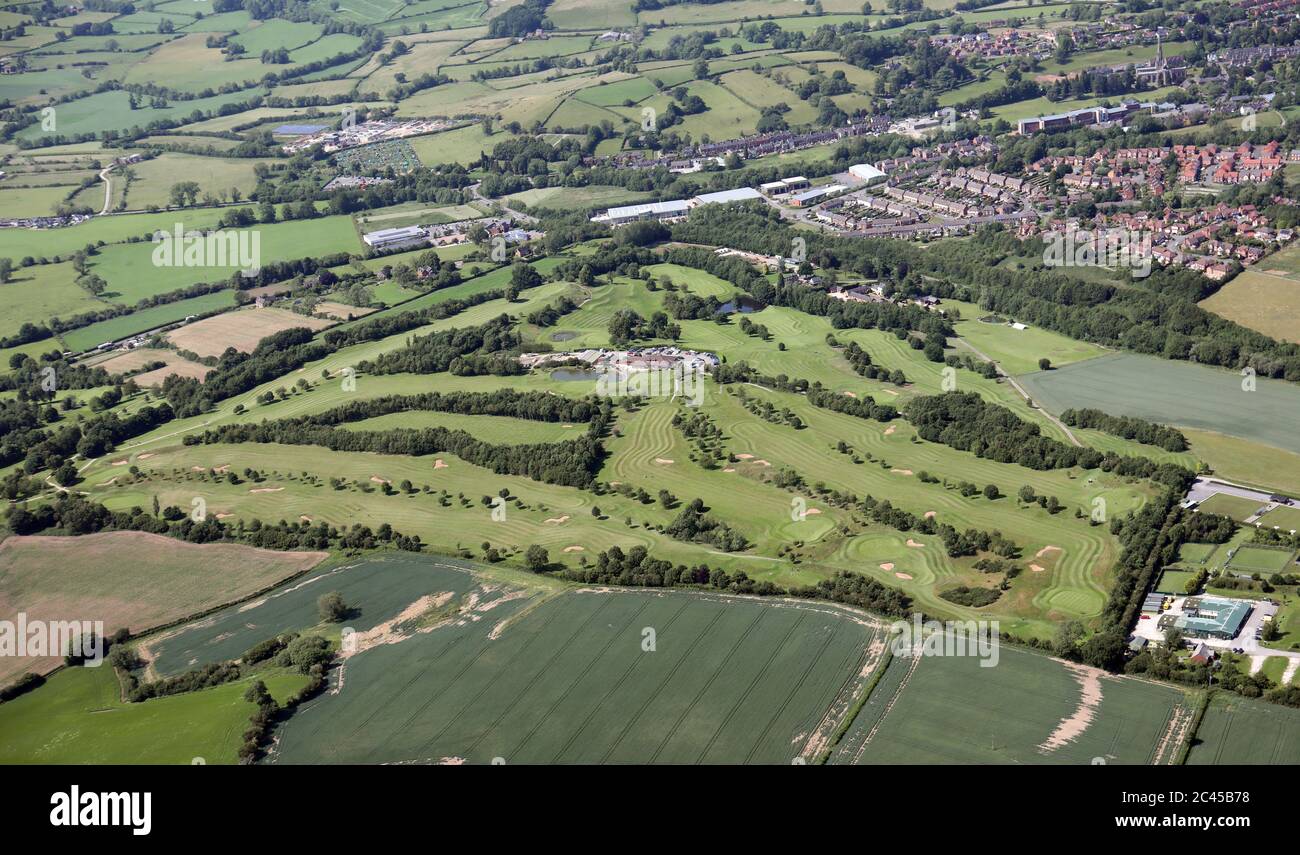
point(438, 464)
point(762, 463)
point(663, 461)
point(811, 511)
point(851, 394)
point(376, 479)
point(575, 549)
point(1047, 550)
point(744, 457)
point(266, 489)
point(224, 516)
point(145, 456)
point(120, 462)
point(901, 471)
point(728, 470)
point(906, 576)
point(929, 515)
point(888, 565)
point(1036, 568)
point(889, 431)
point(558, 520)
point(305, 518)
point(914, 544)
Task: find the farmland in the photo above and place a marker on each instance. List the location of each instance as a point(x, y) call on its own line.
point(394, 461)
point(1026, 709)
point(1236, 730)
point(128, 580)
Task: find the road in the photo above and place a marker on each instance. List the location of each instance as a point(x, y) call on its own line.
point(108, 188)
point(518, 216)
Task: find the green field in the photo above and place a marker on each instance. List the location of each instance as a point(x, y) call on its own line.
point(78, 717)
point(495, 666)
point(1240, 731)
point(1177, 393)
point(1238, 507)
point(949, 710)
point(1174, 582)
point(1261, 560)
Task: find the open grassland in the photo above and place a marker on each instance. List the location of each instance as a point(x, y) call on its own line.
point(78, 717)
point(128, 580)
point(1238, 731)
point(1265, 298)
point(1027, 708)
point(41, 292)
point(1017, 351)
point(132, 275)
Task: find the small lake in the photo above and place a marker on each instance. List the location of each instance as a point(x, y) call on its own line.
point(566, 374)
point(563, 336)
point(744, 305)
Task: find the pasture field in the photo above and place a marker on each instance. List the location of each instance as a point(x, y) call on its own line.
point(78, 717)
point(241, 329)
point(577, 198)
point(1018, 351)
point(1238, 731)
point(1028, 708)
point(155, 177)
point(1265, 298)
point(43, 291)
point(132, 275)
point(128, 579)
point(1175, 393)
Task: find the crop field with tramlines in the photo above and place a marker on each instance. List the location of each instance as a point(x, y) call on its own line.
point(1026, 708)
point(450, 665)
point(581, 381)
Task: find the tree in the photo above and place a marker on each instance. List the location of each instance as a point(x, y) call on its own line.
point(331, 607)
point(991, 492)
point(308, 650)
point(6, 270)
point(537, 558)
point(1044, 364)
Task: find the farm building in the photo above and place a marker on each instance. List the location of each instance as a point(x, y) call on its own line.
point(393, 238)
